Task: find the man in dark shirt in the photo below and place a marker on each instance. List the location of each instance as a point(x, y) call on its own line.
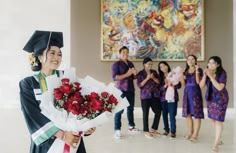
point(123, 72)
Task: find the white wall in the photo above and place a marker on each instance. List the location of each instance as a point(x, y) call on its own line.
point(18, 20)
point(234, 48)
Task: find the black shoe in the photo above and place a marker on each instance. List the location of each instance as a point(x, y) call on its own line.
point(165, 133)
point(172, 136)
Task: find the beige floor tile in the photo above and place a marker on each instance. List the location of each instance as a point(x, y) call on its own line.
point(14, 137)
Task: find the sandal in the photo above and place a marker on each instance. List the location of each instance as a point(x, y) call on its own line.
point(149, 135)
point(154, 132)
point(221, 142)
point(215, 148)
point(193, 139)
point(187, 136)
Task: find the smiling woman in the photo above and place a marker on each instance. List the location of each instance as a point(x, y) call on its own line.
point(45, 46)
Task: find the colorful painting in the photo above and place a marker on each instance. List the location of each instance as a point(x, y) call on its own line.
point(160, 29)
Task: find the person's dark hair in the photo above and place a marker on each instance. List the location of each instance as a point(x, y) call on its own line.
point(36, 65)
point(187, 67)
point(161, 74)
point(217, 59)
point(122, 48)
point(147, 59)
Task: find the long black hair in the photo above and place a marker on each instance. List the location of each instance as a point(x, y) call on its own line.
point(36, 65)
point(187, 67)
point(161, 74)
point(217, 59)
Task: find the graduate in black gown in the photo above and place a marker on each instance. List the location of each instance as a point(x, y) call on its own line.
point(46, 56)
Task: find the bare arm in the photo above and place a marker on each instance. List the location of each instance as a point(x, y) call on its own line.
point(182, 80)
point(216, 84)
point(202, 83)
point(197, 73)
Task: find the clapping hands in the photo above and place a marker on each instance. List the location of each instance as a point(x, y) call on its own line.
point(132, 71)
point(208, 73)
point(150, 76)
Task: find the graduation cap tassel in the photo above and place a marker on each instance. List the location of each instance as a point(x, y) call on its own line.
point(45, 53)
point(49, 39)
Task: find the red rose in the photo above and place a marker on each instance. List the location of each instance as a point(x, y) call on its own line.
point(73, 107)
point(112, 100)
point(77, 86)
point(81, 100)
point(88, 97)
point(96, 105)
point(84, 111)
point(77, 94)
point(78, 99)
point(65, 105)
point(104, 94)
point(66, 88)
point(94, 95)
point(58, 94)
point(107, 109)
point(65, 81)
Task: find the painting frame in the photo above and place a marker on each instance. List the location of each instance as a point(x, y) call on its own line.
point(164, 30)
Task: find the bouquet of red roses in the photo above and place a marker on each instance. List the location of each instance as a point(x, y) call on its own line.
point(79, 104)
point(68, 97)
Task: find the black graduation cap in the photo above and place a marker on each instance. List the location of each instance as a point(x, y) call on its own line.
point(40, 40)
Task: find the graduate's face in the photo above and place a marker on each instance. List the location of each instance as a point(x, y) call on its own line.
point(53, 58)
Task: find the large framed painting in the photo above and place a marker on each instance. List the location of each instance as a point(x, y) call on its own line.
point(167, 30)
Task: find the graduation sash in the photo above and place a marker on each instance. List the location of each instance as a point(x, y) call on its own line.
point(42, 80)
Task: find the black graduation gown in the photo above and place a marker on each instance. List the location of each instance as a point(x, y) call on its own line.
point(40, 127)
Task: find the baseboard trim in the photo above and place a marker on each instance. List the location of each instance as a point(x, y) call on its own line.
point(230, 114)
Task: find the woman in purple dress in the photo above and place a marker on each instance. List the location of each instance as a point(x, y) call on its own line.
point(192, 99)
point(217, 97)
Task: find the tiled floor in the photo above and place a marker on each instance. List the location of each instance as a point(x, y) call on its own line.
point(103, 141)
point(14, 137)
